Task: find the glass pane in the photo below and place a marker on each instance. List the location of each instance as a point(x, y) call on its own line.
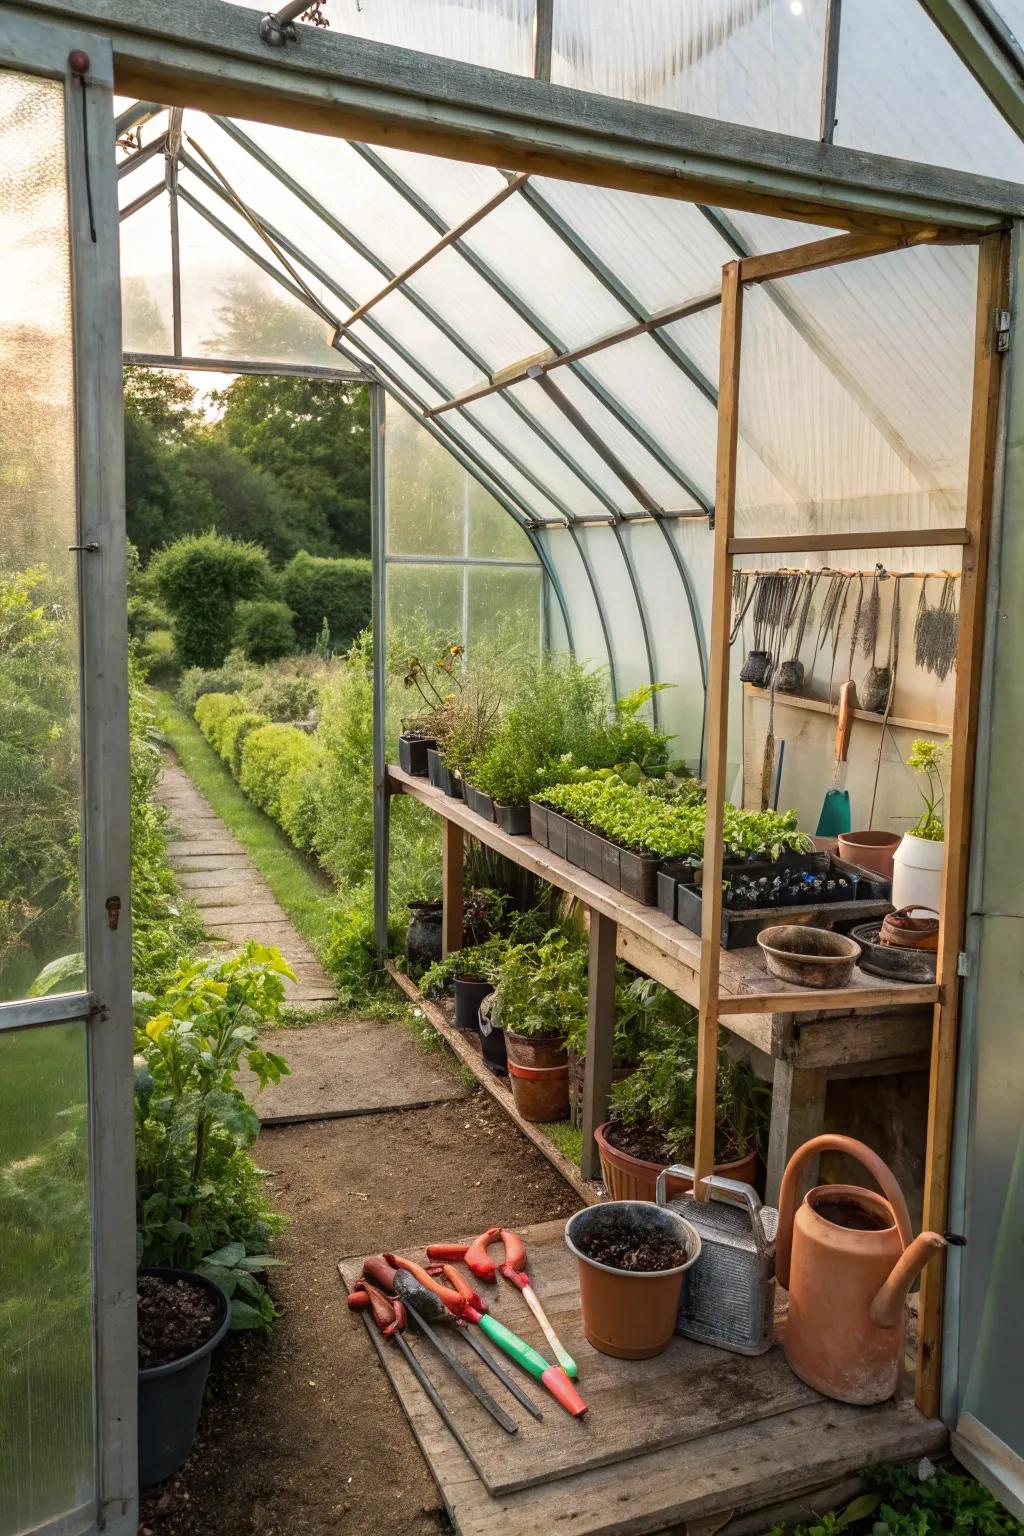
point(426, 491)
point(504, 606)
point(46, 1369)
point(424, 608)
point(493, 534)
point(40, 915)
point(146, 310)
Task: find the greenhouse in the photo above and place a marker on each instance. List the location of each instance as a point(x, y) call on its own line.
point(639, 801)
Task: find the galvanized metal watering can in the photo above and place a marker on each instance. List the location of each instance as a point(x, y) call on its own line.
point(728, 1296)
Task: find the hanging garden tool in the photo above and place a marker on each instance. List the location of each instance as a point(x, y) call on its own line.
point(794, 582)
point(835, 808)
point(514, 1270)
point(878, 684)
point(935, 630)
point(789, 675)
point(768, 596)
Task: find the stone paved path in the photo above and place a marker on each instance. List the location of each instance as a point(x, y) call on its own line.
point(232, 896)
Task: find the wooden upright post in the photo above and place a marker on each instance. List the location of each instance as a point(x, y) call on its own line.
point(993, 295)
point(718, 720)
point(452, 877)
point(597, 1073)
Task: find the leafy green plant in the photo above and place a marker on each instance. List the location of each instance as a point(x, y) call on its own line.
point(928, 759)
point(213, 711)
point(541, 988)
point(234, 674)
point(660, 1099)
point(197, 1188)
point(646, 1015)
point(554, 708)
point(324, 591)
point(264, 628)
point(200, 578)
point(914, 1501)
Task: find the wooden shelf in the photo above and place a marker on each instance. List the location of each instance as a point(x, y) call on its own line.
point(823, 707)
point(660, 947)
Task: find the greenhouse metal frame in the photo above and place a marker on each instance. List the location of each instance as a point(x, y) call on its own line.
point(566, 422)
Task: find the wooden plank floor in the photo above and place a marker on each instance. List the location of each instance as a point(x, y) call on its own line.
point(693, 1433)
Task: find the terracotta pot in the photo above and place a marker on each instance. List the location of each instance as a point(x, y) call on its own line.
point(626, 1313)
point(577, 1069)
point(632, 1178)
point(847, 1257)
point(539, 1071)
point(871, 850)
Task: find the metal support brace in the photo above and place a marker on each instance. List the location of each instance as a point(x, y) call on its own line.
point(381, 803)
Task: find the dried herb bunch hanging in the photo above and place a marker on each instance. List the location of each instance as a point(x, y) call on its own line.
point(936, 630)
point(789, 675)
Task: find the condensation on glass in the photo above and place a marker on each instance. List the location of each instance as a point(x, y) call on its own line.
point(46, 1360)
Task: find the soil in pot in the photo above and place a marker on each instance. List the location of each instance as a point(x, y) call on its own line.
point(632, 1157)
point(175, 1318)
point(624, 1250)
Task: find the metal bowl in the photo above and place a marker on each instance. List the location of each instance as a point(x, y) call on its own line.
point(891, 962)
point(808, 957)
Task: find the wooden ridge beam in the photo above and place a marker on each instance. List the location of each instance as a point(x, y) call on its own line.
point(877, 538)
point(209, 54)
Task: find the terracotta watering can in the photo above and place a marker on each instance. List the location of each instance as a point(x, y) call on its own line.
point(847, 1257)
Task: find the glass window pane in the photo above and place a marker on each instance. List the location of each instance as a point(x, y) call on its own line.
point(40, 915)
point(424, 609)
point(493, 534)
point(426, 491)
point(504, 606)
point(46, 1367)
point(146, 309)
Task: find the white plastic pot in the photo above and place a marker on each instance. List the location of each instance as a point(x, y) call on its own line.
point(917, 873)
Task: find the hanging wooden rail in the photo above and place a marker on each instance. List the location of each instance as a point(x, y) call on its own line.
point(877, 538)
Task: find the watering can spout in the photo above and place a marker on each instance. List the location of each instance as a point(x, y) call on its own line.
point(886, 1309)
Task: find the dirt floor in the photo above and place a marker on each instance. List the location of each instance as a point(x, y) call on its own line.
point(300, 1433)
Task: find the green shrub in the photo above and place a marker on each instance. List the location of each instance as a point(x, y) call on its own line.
point(272, 755)
point(263, 629)
point(339, 592)
point(235, 673)
point(285, 695)
point(200, 578)
point(235, 733)
point(213, 712)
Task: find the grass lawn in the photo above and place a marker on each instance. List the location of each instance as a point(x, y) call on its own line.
point(299, 888)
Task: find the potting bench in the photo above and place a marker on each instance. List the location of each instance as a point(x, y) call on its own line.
point(867, 1029)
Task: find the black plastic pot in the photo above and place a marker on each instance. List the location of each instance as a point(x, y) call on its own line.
point(470, 992)
point(412, 753)
point(441, 776)
point(575, 844)
point(558, 830)
point(539, 823)
point(593, 854)
point(638, 876)
point(477, 801)
point(492, 1040)
point(513, 819)
point(171, 1396)
point(423, 935)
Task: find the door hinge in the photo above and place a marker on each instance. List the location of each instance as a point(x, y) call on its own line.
point(113, 911)
point(963, 963)
point(1002, 330)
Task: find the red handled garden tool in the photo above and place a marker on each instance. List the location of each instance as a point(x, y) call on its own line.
point(465, 1304)
point(513, 1268)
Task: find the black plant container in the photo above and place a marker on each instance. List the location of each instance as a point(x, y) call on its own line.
point(593, 853)
point(492, 1041)
point(470, 992)
point(412, 753)
point(638, 876)
point(513, 819)
point(539, 823)
point(558, 834)
point(171, 1396)
point(667, 893)
point(575, 844)
point(423, 935)
point(441, 776)
point(477, 801)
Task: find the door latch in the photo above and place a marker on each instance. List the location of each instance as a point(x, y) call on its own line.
point(113, 911)
point(1002, 330)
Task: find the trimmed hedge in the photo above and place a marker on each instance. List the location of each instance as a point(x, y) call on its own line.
point(200, 578)
point(317, 588)
point(263, 629)
point(235, 734)
point(272, 756)
point(214, 711)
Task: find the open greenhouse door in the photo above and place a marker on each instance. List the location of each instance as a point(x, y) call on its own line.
point(67, 1232)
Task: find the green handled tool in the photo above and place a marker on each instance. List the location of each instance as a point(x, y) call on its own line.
point(550, 1376)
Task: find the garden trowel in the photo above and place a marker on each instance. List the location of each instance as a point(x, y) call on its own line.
point(835, 808)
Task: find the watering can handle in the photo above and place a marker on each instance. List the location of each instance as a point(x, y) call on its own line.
point(730, 1191)
point(880, 1172)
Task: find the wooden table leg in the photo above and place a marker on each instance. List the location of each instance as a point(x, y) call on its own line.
point(597, 1077)
point(452, 878)
point(798, 1113)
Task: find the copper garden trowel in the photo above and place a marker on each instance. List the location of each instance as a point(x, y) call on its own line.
point(835, 808)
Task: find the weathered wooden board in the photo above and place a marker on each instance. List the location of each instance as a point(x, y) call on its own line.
point(357, 1067)
point(635, 1406)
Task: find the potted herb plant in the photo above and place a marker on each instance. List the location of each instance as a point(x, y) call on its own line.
point(541, 987)
point(917, 866)
point(645, 1012)
point(653, 1118)
point(468, 974)
point(434, 686)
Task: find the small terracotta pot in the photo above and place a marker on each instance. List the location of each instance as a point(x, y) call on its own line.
point(633, 1178)
point(626, 1313)
point(539, 1072)
point(871, 850)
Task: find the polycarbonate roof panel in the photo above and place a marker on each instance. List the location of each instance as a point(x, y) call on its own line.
point(453, 188)
point(756, 62)
point(498, 33)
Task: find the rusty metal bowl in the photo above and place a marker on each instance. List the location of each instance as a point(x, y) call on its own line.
point(808, 957)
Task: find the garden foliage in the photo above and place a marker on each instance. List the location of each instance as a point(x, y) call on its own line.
point(200, 579)
point(335, 591)
point(264, 628)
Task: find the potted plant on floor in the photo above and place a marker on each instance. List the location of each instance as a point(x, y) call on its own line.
point(653, 1116)
point(202, 1220)
point(541, 988)
point(645, 1012)
point(468, 975)
point(917, 866)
